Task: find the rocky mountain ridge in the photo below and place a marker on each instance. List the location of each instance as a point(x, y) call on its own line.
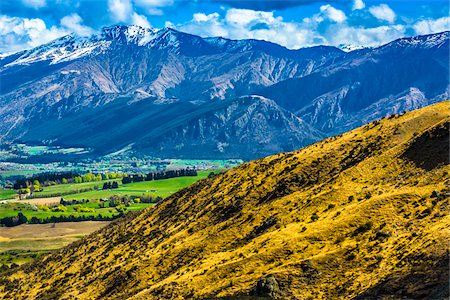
point(150, 69)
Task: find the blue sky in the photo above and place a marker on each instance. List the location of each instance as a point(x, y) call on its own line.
point(293, 23)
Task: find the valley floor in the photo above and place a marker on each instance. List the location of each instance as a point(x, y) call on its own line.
point(27, 240)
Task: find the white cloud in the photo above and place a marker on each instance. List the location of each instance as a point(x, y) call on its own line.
point(332, 13)
point(200, 17)
point(246, 16)
point(22, 33)
point(155, 11)
point(358, 4)
point(432, 26)
point(153, 7)
point(374, 36)
point(36, 4)
point(140, 20)
point(121, 10)
point(169, 24)
point(249, 24)
point(73, 23)
point(383, 12)
point(204, 25)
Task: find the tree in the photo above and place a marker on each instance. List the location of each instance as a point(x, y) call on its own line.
point(32, 189)
point(36, 185)
point(22, 219)
point(64, 181)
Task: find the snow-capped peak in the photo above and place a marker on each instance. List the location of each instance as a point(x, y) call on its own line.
point(71, 46)
point(422, 41)
point(66, 48)
point(131, 34)
point(350, 48)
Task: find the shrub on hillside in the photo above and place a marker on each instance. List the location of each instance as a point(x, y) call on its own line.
point(59, 208)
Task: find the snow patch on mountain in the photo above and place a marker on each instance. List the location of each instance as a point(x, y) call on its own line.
point(65, 49)
point(350, 48)
point(422, 41)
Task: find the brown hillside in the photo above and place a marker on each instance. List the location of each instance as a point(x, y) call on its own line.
point(363, 215)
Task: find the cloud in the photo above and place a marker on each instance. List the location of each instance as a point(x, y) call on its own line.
point(268, 5)
point(358, 4)
point(201, 17)
point(204, 25)
point(241, 17)
point(73, 24)
point(332, 13)
point(383, 12)
point(373, 36)
point(22, 33)
point(432, 26)
point(36, 4)
point(153, 7)
point(123, 11)
point(248, 24)
point(327, 27)
point(120, 10)
point(140, 20)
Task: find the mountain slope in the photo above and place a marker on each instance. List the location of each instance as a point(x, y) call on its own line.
point(330, 90)
point(73, 75)
point(403, 75)
point(363, 215)
point(246, 127)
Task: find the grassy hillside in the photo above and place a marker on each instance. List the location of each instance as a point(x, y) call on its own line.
point(363, 215)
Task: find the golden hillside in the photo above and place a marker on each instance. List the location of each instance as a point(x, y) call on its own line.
point(363, 215)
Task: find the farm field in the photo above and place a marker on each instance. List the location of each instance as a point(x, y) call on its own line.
point(12, 208)
point(23, 243)
point(7, 194)
point(157, 188)
point(161, 188)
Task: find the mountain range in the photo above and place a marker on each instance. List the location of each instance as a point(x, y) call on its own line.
point(162, 92)
point(363, 215)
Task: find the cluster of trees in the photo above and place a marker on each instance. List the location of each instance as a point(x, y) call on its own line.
point(89, 177)
point(78, 208)
point(44, 179)
point(72, 202)
point(35, 183)
point(108, 185)
point(30, 188)
point(115, 201)
point(22, 219)
point(159, 175)
point(61, 193)
point(14, 221)
point(148, 199)
point(71, 218)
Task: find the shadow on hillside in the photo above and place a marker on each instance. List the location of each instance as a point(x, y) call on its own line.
point(431, 148)
point(422, 282)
